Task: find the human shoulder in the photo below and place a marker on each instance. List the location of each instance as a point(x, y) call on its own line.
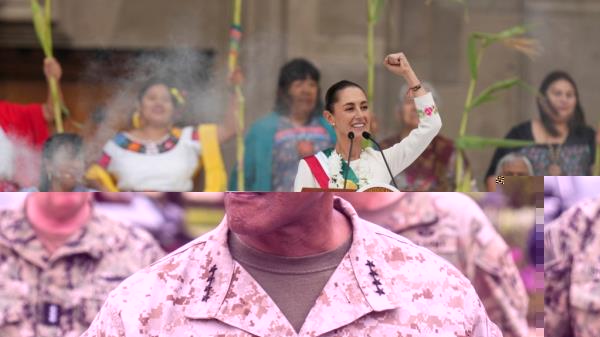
point(266, 122)
point(588, 134)
point(578, 218)
point(405, 258)
point(9, 225)
point(568, 234)
point(118, 234)
point(165, 272)
point(521, 131)
point(458, 204)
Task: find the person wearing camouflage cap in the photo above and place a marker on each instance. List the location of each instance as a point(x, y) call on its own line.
point(58, 262)
point(454, 227)
point(572, 272)
point(295, 264)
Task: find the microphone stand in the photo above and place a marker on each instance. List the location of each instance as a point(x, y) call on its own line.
point(367, 135)
point(351, 136)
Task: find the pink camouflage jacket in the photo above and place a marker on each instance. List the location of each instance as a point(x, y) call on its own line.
point(384, 286)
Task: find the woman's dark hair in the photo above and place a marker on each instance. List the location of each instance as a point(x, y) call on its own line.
point(331, 95)
point(577, 121)
point(294, 70)
point(69, 141)
point(157, 81)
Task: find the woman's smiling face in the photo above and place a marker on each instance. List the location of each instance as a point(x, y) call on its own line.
point(350, 112)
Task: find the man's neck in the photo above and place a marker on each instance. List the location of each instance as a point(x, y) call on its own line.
point(310, 236)
point(51, 231)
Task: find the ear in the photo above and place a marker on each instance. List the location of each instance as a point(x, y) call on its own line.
point(329, 117)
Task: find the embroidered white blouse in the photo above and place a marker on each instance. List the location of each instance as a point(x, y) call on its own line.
point(164, 166)
point(370, 167)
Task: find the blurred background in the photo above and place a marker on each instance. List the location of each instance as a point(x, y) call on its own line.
point(560, 193)
point(177, 218)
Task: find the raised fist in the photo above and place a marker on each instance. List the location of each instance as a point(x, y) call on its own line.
point(398, 64)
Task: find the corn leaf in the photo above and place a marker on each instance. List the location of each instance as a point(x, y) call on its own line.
point(488, 94)
point(39, 24)
point(48, 19)
point(464, 184)
point(512, 32)
point(472, 56)
point(475, 142)
point(490, 38)
point(42, 23)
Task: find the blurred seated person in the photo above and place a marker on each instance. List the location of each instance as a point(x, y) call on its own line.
point(59, 259)
point(295, 128)
point(564, 143)
point(62, 165)
point(155, 154)
point(433, 170)
point(512, 164)
point(159, 213)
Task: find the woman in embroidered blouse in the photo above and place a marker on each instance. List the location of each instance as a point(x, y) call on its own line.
point(346, 108)
point(156, 156)
point(564, 143)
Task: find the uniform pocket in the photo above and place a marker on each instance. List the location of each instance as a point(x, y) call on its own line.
point(585, 285)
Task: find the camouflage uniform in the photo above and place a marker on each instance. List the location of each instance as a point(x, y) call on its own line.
point(572, 272)
point(454, 227)
point(384, 286)
point(59, 295)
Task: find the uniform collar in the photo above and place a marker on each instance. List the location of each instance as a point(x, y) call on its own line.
point(362, 283)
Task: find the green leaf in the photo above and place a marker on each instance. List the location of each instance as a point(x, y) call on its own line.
point(48, 20)
point(511, 32)
point(39, 23)
point(491, 38)
point(465, 182)
point(472, 57)
point(488, 94)
point(476, 142)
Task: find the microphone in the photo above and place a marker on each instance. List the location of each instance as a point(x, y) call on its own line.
point(367, 135)
point(351, 136)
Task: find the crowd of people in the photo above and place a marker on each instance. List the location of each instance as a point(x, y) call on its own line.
point(301, 144)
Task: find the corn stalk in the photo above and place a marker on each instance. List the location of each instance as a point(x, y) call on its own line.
point(235, 38)
point(597, 161)
point(477, 44)
point(42, 23)
point(375, 8)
